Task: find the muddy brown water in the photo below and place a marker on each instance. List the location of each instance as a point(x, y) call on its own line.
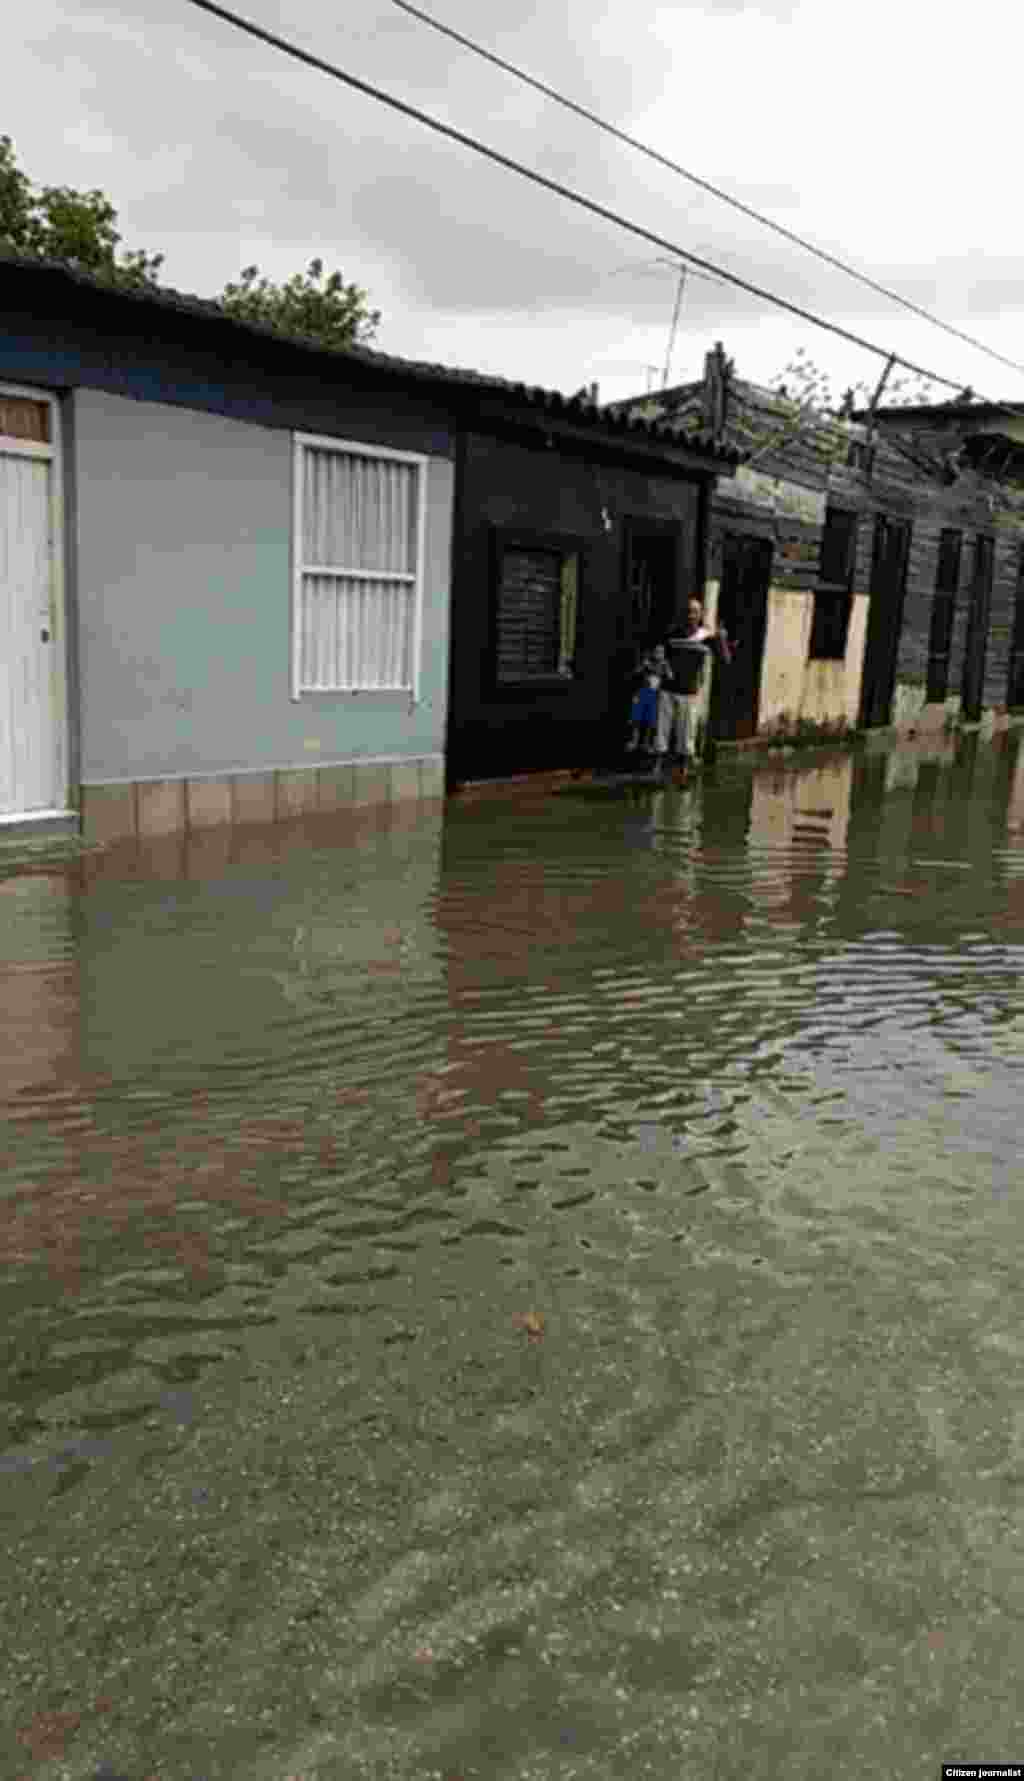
point(529, 1290)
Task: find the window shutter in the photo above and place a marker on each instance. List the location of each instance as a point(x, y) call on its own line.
point(360, 542)
point(530, 614)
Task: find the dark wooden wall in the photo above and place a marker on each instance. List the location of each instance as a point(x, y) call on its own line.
point(965, 510)
point(524, 485)
point(902, 485)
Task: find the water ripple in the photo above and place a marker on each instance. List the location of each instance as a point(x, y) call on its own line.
point(698, 1077)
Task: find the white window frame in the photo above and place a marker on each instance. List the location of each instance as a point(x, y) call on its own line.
point(52, 454)
point(354, 448)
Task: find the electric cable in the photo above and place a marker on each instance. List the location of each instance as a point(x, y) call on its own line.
point(654, 154)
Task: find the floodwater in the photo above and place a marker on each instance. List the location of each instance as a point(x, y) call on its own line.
point(529, 1291)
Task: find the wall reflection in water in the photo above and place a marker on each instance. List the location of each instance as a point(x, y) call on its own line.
point(99, 986)
point(180, 1022)
point(176, 1013)
point(40, 992)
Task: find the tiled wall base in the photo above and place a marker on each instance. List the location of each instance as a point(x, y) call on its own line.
point(145, 809)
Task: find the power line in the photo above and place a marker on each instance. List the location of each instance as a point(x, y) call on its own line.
point(561, 191)
point(653, 154)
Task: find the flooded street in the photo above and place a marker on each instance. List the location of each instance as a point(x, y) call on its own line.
point(526, 1291)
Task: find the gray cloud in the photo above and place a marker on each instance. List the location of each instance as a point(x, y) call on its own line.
point(220, 151)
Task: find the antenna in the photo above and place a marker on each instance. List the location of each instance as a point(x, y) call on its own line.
point(675, 323)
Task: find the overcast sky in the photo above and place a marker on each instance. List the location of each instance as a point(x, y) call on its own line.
point(887, 133)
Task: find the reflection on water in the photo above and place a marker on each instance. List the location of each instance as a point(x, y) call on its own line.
point(300, 1128)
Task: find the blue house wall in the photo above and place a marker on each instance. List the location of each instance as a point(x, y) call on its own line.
point(178, 475)
point(183, 544)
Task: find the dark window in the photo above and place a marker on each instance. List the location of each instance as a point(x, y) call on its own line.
point(833, 595)
point(976, 642)
point(537, 602)
point(947, 582)
point(1015, 686)
point(860, 456)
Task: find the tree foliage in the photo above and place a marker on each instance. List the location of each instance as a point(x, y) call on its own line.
point(79, 229)
point(805, 408)
point(328, 310)
point(797, 407)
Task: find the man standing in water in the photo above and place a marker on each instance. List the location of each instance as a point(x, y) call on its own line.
point(689, 646)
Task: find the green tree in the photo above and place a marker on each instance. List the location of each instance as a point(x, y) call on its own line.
point(328, 310)
point(800, 409)
point(79, 229)
point(806, 409)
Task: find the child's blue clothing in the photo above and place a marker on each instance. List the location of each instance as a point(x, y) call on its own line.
point(654, 672)
point(645, 706)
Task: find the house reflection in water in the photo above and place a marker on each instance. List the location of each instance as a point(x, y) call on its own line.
point(1015, 802)
point(810, 804)
point(203, 1020)
point(39, 979)
point(216, 1018)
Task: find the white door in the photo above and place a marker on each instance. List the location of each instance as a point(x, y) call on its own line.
point(32, 697)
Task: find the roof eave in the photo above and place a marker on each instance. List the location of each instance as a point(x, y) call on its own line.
point(456, 383)
point(580, 424)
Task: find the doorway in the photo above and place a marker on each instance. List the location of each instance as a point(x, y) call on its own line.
point(743, 612)
point(1015, 677)
point(33, 722)
point(885, 620)
point(651, 579)
point(978, 615)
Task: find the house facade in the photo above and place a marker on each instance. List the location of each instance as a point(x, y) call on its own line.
point(226, 571)
point(867, 581)
point(578, 539)
point(960, 643)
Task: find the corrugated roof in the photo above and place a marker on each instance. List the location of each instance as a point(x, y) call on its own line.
point(686, 400)
point(578, 408)
point(942, 411)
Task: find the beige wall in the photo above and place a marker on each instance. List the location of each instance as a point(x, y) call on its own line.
point(791, 686)
point(785, 654)
point(710, 618)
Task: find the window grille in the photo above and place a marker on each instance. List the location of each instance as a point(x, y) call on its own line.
point(358, 572)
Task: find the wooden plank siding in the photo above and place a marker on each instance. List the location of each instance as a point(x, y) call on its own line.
point(1000, 630)
point(904, 478)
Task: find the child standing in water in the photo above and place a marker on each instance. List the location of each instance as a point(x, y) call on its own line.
point(654, 673)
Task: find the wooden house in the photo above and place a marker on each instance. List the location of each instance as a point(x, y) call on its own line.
point(870, 574)
point(960, 639)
